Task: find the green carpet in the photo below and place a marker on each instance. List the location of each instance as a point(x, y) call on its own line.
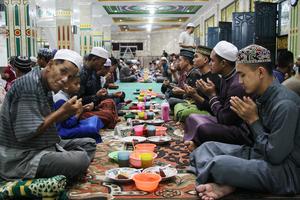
point(129, 88)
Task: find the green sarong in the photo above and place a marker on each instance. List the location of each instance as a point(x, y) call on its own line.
point(183, 110)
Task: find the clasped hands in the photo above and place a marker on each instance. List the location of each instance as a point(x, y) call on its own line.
point(72, 107)
point(245, 108)
point(208, 88)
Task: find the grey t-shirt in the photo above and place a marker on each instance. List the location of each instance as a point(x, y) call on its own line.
point(25, 106)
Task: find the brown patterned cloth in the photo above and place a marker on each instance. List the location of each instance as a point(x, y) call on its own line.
point(180, 187)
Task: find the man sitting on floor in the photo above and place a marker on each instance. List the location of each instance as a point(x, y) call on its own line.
point(198, 102)
point(127, 74)
point(225, 125)
point(189, 75)
point(272, 164)
point(29, 144)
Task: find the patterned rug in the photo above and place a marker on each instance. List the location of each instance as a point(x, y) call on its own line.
point(96, 186)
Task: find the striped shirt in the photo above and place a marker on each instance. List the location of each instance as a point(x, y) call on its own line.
point(25, 106)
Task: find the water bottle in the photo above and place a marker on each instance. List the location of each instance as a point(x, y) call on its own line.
point(165, 111)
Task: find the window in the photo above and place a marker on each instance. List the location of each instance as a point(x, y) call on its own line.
point(283, 22)
point(226, 13)
point(210, 22)
point(252, 3)
point(117, 46)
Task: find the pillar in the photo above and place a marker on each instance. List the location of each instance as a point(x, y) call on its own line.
point(86, 38)
point(65, 38)
point(107, 37)
point(294, 36)
point(20, 16)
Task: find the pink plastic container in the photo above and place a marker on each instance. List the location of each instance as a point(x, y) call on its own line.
point(135, 157)
point(139, 130)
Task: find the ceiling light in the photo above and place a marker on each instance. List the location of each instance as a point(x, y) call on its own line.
point(152, 11)
point(149, 27)
point(150, 20)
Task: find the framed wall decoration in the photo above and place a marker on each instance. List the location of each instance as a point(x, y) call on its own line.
point(283, 18)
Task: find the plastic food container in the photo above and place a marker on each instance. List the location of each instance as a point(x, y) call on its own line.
point(161, 131)
point(135, 157)
point(146, 181)
point(145, 146)
point(139, 130)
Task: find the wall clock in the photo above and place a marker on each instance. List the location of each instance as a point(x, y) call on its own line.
point(294, 2)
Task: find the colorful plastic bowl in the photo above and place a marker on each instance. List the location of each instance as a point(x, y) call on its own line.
point(135, 157)
point(161, 131)
point(145, 146)
point(146, 181)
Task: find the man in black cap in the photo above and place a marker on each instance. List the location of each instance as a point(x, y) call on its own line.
point(188, 75)
point(22, 65)
point(44, 56)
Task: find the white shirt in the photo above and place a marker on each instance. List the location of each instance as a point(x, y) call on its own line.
point(186, 39)
point(60, 95)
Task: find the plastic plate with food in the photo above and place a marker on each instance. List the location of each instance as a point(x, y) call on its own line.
point(123, 174)
point(159, 139)
point(166, 172)
point(135, 139)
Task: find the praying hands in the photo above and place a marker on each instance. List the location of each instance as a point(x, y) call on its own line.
point(190, 90)
point(178, 91)
point(102, 92)
point(88, 107)
point(246, 109)
point(208, 88)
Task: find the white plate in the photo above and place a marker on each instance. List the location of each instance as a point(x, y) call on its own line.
point(155, 122)
point(128, 172)
point(159, 139)
point(130, 138)
point(169, 171)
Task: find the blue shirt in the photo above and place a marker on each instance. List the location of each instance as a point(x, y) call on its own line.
point(278, 75)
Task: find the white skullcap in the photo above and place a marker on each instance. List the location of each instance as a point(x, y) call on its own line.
point(69, 55)
point(226, 50)
point(107, 63)
point(164, 58)
point(298, 56)
point(190, 25)
point(33, 59)
point(100, 52)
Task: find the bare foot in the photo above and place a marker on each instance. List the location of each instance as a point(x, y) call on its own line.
point(212, 191)
point(190, 145)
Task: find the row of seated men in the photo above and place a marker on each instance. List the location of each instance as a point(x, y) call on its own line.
point(253, 123)
point(242, 125)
